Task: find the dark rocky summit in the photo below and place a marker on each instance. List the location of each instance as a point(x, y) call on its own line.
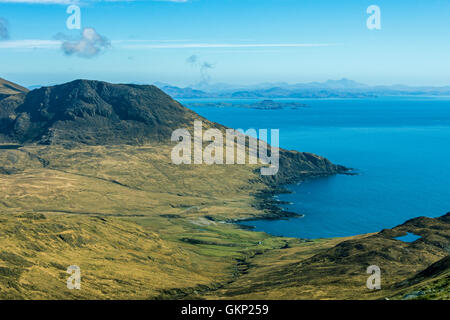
point(92, 112)
point(296, 166)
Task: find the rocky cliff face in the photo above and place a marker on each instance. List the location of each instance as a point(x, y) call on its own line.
point(296, 166)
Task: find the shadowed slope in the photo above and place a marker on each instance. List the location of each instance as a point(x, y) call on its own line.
point(93, 113)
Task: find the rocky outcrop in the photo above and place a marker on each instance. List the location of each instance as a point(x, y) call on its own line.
point(296, 166)
point(92, 113)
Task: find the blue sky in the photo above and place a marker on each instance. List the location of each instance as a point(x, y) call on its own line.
point(240, 41)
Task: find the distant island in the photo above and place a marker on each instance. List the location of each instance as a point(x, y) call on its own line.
point(263, 105)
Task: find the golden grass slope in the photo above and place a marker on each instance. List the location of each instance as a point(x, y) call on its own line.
point(9, 88)
point(122, 180)
point(133, 222)
point(336, 268)
point(112, 254)
point(142, 228)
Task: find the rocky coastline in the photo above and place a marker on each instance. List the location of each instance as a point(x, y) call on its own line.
point(292, 170)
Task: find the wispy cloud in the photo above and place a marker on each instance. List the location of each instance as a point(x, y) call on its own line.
point(40, 1)
point(30, 44)
point(4, 31)
point(192, 60)
point(158, 44)
point(203, 66)
point(78, 1)
point(143, 45)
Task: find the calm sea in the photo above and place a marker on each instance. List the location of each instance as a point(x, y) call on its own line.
point(399, 146)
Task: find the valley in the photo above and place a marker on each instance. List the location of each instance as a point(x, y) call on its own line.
point(85, 181)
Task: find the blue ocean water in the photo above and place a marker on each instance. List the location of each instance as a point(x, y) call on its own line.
point(400, 147)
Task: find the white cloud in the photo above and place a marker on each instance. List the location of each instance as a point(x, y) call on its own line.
point(88, 45)
point(40, 1)
point(4, 31)
point(77, 1)
point(30, 44)
point(158, 44)
point(143, 45)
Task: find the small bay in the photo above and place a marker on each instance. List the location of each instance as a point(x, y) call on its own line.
point(399, 146)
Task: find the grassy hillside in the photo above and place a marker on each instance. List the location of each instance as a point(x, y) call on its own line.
point(133, 222)
point(336, 268)
point(10, 88)
point(87, 180)
point(431, 283)
point(142, 228)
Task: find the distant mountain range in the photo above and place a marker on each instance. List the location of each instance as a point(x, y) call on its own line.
point(343, 88)
point(95, 112)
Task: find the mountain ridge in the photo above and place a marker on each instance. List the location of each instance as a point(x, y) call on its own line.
point(92, 112)
point(8, 88)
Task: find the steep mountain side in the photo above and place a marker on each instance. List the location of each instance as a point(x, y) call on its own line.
point(339, 272)
point(431, 283)
point(93, 113)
